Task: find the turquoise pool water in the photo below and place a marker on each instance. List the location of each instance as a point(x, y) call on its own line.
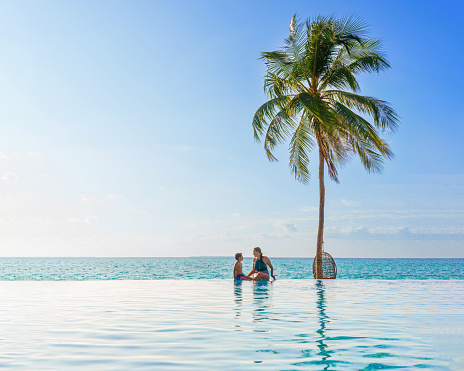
point(218, 324)
point(218, 267)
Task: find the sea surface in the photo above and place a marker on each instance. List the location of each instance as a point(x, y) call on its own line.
point(64, 269)
point(225, 325)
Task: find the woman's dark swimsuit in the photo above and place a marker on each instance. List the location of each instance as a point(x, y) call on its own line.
point(239, 276)
point(260, 266)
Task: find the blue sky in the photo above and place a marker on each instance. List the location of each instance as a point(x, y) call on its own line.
point(125, 130)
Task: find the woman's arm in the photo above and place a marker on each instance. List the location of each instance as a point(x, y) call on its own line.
point(253, 270)
point(268, 262)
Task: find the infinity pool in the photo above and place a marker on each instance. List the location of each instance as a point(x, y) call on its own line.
point(219, 324)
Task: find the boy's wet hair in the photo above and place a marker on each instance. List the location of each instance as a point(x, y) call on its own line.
point(238, 255)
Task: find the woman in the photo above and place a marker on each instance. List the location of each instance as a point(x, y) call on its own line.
point(260, 264)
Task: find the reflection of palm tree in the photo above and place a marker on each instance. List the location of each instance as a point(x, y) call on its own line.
point(323, 358)
point(323, 319)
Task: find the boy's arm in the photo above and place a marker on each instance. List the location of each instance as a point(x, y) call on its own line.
point(253, 270)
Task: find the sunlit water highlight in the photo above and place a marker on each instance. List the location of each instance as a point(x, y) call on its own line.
point(219, 324)
point(57, 269)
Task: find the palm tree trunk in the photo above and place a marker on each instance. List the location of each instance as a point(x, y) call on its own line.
point(320, 230)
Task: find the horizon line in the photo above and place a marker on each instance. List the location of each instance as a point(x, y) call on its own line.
point(211, 256)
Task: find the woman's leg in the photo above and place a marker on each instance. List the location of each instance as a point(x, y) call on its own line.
point(260, 276)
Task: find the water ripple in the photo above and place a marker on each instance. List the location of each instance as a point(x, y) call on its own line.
point(219, 324)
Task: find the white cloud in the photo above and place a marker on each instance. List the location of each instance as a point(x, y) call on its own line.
point(396, 233)
point(8, 176)
point(242, 229)
point(14, 197)
point(34, 154)
point(138, 211)
point(47, 220)
point(224, 236)
point(308, 208)
point(88, 200)
point(90, 219)
point(8, 220)
point(115, 196)
point(161, 188)
point(438, 215)
point(286, 226)
point(236, 215)
point(8, 156)
point(350, 203)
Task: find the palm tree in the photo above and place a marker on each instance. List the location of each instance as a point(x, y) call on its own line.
point(314, 101)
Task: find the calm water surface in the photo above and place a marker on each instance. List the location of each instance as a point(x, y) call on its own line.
point(58, 269)
point(219, 324)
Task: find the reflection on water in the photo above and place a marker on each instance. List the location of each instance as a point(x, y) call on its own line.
point(258, 306)
point(357, 339)
point(217, 324)
point(323, 320)
point(261, 302)
point(321, 356)
point(238, 299)
point(238, 296)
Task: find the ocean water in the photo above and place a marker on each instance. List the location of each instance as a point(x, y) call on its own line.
point(59, 269)
point(221, 324)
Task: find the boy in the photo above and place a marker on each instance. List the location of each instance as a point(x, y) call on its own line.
point(238, 273)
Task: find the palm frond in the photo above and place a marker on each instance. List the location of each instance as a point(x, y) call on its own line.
point(383, 114)
point(356, 125)
point(358, 128)
point(267, 112)
point(278, 63)
point(315, 106)
point(371, 160)
point(351, 27)
point(300, 145)
point(340, 77)
point(368, 57)
point(369, 63)
point(276, 86)
point(324, 146)
point(277, 131)
point(320, 47)
point(340, 150)
point(295, 48)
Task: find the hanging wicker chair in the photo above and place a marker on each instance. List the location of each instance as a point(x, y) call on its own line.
point(329, 268)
